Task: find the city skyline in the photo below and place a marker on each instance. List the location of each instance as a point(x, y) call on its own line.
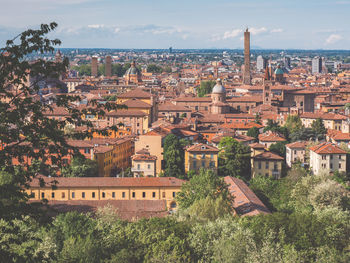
point(193, 24)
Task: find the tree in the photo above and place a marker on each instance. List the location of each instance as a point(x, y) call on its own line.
point(234, 158)
point(293, 123)
point(206, 87)
point(303, 134)
point(173, 156)
point(81, 167)
point(154, 68)
point(257, 118)
point(205, 184)
point(253, 132)
point(279, 148)
point(27, 135)
point(319, 128)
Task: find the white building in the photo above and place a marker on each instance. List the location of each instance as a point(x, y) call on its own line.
point(327, 157)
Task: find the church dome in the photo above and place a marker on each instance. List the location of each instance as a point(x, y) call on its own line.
point(133, 70)
point(218, 88)
point(279, 71)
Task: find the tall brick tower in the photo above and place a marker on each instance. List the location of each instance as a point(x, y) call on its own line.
point(108, 66)
point(246, 74)
point(94, 67)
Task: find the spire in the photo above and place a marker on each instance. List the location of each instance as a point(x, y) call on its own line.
point(267, 73)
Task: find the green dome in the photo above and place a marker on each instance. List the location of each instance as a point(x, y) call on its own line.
point(279, 71)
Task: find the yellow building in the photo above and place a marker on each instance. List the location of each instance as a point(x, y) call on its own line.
point(201, 156)
point(112, 188)
point(113, 154)
point(265, 163)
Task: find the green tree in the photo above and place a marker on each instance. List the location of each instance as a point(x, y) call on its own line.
point(293, 123)
point(303, 134)
point(173, 156)
point(319, 128)
point(253, 132)
point(83, 69)
point(153, 68)
point(205, 184)
point(81, 167)
point(257, 118)
point(205, 88)
point(279, 148)
point(234, 158)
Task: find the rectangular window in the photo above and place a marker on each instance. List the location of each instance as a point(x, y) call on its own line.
point(63, 195)
point(275, 166)
point(73, 195)
point(339, 157)
point(103, 195)
point(339, 165)
point(52, 195)
point(83, 195)
point(42, 195)
point(267, 165)
point(93, 194)
point(259, 165)
point(194, 164)
point(203, 163)
point(148, 166)
point(331, 165)
point(113, 194)
point(143, 194)
point(194, 155)
point(174, 194)
point(133, 194)
point(32, 195)
point(138, 167)
point(203, 156)
point(154, 194)
point(163, 194)
point(123, 194)
point(331, 157)
point(212, 156)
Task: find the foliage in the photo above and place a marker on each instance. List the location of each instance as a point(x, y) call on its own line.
point(303, 134)
point(153, 68)
point(206, 87)
point(293, 123)
point(81, 167)
point(275, 127)
point(234, 158)
point(174, 156)
point(205, 184)
point(279, 148)
point(253, 132)
point(257, 118)
point(319, 128)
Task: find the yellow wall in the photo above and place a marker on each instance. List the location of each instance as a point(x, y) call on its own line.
point(266, 171)
point(190, 157)
point(161, 193)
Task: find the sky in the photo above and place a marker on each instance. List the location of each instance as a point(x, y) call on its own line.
point(182, 24)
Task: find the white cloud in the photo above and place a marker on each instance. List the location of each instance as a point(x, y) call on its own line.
point(116, 30)
point(277, 30)
point(232, 34)
point(95, 26)
point(333, 39)
point(257, 31)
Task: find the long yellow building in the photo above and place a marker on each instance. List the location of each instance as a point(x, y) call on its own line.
point(106, 188)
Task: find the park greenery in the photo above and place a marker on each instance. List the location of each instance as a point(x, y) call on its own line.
point(310, 219)
point(205, 88)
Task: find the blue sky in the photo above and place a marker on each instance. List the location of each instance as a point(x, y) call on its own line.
point(307, 24)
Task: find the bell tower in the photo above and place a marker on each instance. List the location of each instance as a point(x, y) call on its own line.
point(267, 94)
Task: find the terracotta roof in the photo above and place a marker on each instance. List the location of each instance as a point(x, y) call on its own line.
point(201, 147)
point(246, 203)
point(57, 111)
point(126, 209)
point(136, 93)
point(144, 157)
point(168, 106)
point(194, 99)
point(135, 103)
point(271, 137)
point(268, 156)
point(241, 125)
point(297, 145)
point(246, 99)
point(110, 182)
point(257, 146)
point(325, 116)
point(126, 113)
point(327, 148)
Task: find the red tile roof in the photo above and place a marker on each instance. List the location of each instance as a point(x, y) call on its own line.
point(297, 145)
point(268, 156)
point(246, 203)
point(201, 147)
point(327, 148)
point(271, 137)
point(126, 113)
point(135, 103)
point(136, 93)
